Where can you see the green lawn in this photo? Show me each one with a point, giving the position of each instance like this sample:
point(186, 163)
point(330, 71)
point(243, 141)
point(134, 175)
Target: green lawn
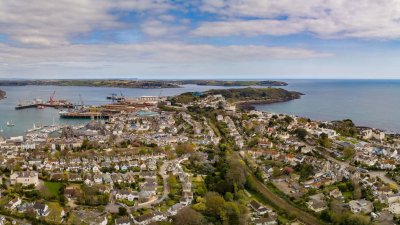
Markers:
point(53, 188)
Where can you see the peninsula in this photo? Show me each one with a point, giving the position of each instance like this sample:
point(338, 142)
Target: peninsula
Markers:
point(242, 97)
point(138, 83)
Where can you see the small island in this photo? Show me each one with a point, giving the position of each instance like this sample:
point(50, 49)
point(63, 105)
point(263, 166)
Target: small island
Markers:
point(124, 83)
point(2, 94)
point(245, 98)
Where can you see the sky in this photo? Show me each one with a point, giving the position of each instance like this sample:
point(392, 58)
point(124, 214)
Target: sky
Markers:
point(200, 39)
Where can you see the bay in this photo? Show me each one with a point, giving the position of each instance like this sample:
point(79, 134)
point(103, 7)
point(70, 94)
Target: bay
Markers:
point(373, 103)
point(25, 118)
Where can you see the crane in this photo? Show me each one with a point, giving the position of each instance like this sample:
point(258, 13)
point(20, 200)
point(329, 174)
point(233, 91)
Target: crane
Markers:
point(82, 103)
point(122, 97)
point(51, 101)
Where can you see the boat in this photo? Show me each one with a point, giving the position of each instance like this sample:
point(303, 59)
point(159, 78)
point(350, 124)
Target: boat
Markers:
point(10, 124)
point(41, 107)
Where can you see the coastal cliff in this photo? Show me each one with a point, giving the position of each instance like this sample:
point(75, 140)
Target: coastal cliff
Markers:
point(2, 94)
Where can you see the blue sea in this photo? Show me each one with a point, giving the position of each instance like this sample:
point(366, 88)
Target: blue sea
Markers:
point(25, 118)
point(374, 103)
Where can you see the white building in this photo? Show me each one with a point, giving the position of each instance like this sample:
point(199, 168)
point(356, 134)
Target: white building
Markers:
point(25, 178)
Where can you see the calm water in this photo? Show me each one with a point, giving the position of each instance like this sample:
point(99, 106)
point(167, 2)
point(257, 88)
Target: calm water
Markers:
point(24, 119)
point(374, 103)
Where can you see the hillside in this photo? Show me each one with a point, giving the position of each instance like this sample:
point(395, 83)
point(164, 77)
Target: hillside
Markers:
point(242, 96)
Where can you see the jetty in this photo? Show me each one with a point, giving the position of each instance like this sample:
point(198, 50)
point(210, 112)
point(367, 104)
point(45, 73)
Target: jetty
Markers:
point(40, 104)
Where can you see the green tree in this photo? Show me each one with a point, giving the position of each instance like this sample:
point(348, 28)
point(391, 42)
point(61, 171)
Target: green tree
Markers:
point(122, 211)
point(188, 216)
point(301, 133)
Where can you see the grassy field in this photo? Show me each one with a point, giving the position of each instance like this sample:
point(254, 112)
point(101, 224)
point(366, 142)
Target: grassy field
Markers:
point(53, 188)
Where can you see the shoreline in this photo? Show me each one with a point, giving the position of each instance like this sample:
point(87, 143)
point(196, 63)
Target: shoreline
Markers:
point(145, 84)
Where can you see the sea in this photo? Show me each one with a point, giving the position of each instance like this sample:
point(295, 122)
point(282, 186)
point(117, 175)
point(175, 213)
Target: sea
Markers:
point(373, 103)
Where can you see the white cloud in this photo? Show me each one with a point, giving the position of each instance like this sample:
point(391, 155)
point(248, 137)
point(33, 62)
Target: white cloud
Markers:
point(50, 23)
point(158, 52)
point(157, 28)
point(368, 19)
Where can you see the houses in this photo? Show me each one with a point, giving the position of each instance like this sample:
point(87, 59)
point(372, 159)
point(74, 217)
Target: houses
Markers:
point(41, 209)
point(173, 210)
point(361, 206)
point(373, 134)
point(91, 217)
point(317, 203)
point(126, 195)
point(149, 218)
point(14, 203)
point(25, 178)
point(258, 208)
point(123, 221)
point(264, 221)
point(336, 193)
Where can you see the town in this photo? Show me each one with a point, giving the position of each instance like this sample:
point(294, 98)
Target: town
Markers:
point(200, 158)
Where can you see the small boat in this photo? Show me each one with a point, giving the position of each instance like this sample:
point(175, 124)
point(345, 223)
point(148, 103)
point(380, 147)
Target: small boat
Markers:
point(41, 107)
point(10, 124)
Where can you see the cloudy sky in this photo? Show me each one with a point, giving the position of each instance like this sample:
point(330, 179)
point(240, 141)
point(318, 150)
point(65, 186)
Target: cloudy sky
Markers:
point(244, 39)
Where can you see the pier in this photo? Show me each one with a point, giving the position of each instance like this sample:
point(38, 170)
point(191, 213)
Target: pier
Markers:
point(38, 105)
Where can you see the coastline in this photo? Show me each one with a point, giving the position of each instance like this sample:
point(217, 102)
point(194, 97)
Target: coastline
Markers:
point(145, 84)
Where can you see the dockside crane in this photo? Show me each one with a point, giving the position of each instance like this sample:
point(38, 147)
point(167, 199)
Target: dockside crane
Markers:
point(51, 101)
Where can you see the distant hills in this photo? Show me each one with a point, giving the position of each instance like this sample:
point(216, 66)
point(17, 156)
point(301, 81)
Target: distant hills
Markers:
point(139, 83)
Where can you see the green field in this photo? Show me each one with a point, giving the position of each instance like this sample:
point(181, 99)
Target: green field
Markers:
point(53, 188)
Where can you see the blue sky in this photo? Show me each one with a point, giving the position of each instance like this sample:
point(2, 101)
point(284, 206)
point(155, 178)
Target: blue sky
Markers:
point(151, 39)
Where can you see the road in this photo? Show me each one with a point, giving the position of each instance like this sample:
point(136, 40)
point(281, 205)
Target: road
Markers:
point(164, 175)
point(282, 203)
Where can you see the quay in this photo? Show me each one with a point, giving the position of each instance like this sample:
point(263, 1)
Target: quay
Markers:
point(83, 115)
point(39, 105)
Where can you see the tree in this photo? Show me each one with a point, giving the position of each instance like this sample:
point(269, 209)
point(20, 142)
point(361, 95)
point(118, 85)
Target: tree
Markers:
point(122, 211)
point(232, 216)
point(301, 133)
point(214, 204)
point(184, 148)
point(348, 152)
point(188, 216)
point(324, 140)
point(236, 173)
